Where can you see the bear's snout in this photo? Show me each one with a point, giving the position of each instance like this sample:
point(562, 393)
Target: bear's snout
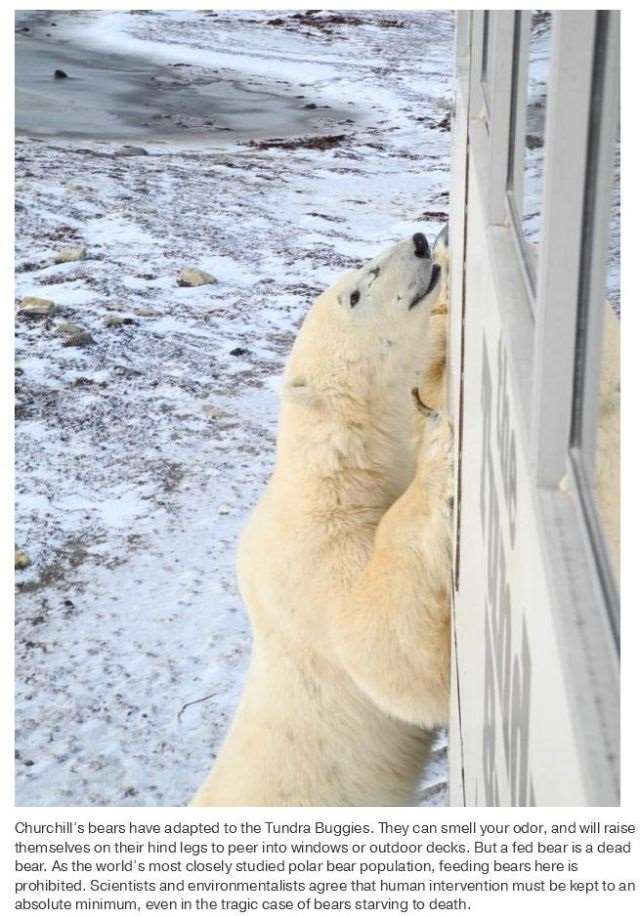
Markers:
point(421, 245)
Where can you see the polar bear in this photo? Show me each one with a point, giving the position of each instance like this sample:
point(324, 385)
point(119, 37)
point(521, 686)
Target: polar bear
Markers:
point(344, 566)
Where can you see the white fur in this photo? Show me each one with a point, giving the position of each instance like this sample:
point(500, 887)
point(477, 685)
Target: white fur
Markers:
point(344, 564)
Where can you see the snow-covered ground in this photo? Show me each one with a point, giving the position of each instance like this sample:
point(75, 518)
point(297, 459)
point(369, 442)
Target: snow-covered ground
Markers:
point(140, 455)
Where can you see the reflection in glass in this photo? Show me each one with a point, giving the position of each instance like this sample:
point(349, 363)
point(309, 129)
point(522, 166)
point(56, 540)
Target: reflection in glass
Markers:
point(607, 465)
point(537, 76)
point(613, 257)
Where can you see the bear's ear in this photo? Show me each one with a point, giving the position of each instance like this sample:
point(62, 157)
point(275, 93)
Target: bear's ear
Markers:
point(297, 390)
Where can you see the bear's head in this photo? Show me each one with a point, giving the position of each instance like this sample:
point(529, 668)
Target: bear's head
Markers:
point(363, 344)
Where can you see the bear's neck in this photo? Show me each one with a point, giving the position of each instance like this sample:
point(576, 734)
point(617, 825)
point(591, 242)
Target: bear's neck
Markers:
point(341, 466)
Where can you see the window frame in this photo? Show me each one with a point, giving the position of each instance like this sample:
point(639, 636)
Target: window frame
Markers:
point(551, 362)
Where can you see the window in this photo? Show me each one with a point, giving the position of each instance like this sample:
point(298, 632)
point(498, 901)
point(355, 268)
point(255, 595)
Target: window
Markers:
point(534, 256)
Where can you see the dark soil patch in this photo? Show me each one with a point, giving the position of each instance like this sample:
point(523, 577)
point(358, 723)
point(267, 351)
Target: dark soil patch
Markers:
point(434, 215)
point(320, 143)
point(327, 24)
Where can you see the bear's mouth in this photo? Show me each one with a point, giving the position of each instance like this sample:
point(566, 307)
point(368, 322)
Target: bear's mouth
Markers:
point(435, 276)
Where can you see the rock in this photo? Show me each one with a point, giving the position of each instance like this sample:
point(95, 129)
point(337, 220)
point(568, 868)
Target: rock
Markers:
point(67, 329)
point(79, 339)
point(116, 321)
point(238, 351)
point(22, 560)
point(60, 75)
point(193, 276)
point(128, 150)
point(310, 106)
point(214, 413)
point(74, 253)
point(145, 312)
point(34, 307)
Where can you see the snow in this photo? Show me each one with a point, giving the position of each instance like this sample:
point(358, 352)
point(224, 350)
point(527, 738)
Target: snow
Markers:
point(140, 456)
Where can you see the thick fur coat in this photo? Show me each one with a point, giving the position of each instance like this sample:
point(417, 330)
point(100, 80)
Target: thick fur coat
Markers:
point(344, 566)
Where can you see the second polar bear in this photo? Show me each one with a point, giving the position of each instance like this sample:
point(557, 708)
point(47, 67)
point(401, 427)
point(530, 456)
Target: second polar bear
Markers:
point(344, 566)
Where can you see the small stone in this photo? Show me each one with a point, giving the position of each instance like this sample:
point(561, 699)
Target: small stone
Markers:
point(214, 413)
point(117, 321)
point(65, 255)
point(81, 339)
point(238, 351)
point(223, 510)
point(22, 560)
point(67, 328)
point(60, 75)
point(34, 307)
point(310, 106)
point(193, 276)
point(128, 150)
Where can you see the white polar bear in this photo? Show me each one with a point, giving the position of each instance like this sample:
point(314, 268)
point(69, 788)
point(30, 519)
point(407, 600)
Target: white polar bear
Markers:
point(345, 564)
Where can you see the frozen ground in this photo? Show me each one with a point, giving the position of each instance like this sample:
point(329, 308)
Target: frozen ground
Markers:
point(140, 455)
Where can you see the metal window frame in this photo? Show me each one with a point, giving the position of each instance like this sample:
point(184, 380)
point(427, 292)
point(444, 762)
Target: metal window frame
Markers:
point(556, 370)
point(517, 145)
point(572, 278)
point(479, 100)
point(553, 326)
point(561, 245)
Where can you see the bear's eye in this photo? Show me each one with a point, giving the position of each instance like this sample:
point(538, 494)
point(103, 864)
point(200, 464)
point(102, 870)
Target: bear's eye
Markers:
point(355, 298)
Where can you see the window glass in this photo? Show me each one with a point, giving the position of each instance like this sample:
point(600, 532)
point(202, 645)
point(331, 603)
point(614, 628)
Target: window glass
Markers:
point(613, 258)
point(538, 59)
point(607, 463)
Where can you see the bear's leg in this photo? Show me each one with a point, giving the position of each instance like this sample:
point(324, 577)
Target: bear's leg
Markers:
point(391, 632)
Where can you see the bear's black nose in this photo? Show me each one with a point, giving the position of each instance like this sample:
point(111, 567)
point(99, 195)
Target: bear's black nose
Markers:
point(421, 245)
